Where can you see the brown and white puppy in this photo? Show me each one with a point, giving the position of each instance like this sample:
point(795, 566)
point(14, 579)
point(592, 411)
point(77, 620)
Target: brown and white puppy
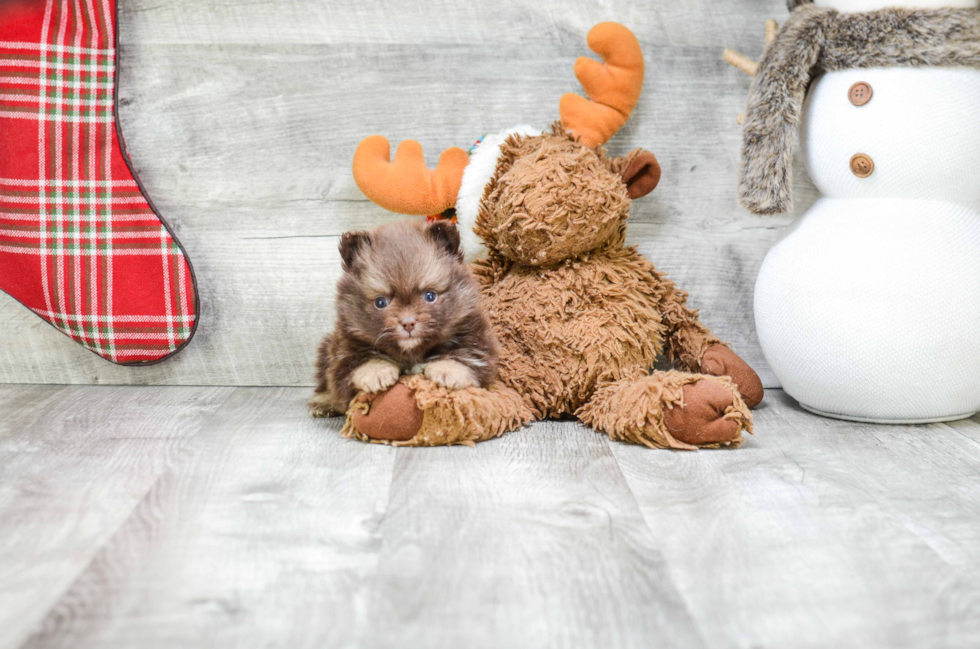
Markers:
point(406, 304)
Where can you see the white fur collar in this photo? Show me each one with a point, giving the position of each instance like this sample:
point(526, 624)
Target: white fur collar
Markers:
point(483, 162)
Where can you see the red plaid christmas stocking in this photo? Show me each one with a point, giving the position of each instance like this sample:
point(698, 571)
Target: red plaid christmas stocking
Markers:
point(81, 245)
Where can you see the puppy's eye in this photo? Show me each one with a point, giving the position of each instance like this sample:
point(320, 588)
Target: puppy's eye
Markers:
point(429, 296)
point(381, 302)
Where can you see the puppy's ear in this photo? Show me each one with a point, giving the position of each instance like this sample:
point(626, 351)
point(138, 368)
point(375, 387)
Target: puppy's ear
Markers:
point(640, 171)
point(352, 245)
point(445, 234)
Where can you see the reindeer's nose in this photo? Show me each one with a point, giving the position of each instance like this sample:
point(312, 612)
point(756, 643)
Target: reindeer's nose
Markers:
point(408, 324)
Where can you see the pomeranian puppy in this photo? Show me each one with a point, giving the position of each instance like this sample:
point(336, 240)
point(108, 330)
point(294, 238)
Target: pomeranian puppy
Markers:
point(406, 304)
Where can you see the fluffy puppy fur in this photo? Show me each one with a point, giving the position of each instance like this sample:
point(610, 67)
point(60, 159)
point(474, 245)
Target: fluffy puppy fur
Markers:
point(405, 304)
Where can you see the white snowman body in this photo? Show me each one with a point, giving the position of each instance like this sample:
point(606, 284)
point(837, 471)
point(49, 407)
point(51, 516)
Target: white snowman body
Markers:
point(870, 308)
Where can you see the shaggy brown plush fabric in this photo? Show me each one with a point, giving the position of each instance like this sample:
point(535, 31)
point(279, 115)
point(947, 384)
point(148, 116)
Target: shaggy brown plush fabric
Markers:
point(581, 319)
point(550, 198)
point(587, 321)
point(817, 39)
point(638, 409)
point(450, 416)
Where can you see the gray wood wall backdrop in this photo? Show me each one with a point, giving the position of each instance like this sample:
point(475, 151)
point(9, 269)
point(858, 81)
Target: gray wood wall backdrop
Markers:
point(242, 118)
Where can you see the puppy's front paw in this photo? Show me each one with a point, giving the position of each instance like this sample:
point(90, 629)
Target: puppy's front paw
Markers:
point(451, 374)
point(375, 376)
point(321, 406)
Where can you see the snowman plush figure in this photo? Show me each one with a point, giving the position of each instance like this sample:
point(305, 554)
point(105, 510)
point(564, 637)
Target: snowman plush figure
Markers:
point(870, 308)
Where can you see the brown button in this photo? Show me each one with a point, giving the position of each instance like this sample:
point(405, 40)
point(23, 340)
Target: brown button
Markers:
point(860, 93)
point(862, 165)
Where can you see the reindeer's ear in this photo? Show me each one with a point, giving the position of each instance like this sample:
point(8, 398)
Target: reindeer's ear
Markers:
point(446, 235)
point(353, 244)
point(640, 171)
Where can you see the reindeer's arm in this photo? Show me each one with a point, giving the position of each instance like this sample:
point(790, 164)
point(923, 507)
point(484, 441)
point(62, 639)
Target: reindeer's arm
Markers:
point(686, 339)
point(692, 347)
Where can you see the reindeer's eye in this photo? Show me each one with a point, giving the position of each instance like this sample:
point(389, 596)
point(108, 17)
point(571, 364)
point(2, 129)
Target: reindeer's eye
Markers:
point(429, 296)
point(381, 302)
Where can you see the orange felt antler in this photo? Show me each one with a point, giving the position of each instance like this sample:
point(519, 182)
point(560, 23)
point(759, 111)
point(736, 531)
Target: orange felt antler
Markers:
point(405, 185)
point(614, 86)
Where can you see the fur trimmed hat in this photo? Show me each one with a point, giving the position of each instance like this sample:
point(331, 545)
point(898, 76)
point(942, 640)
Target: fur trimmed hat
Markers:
point(820, 39)
point(478, 173)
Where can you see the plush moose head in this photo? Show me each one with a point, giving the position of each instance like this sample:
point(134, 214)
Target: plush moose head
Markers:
point(551, 197)
point(535, 198)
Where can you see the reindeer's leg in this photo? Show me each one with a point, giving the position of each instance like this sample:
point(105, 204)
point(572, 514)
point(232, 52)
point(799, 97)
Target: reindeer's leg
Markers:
point(669, 410)
point(418, 412)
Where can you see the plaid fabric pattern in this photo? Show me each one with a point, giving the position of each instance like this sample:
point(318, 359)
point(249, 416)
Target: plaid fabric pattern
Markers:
point(80, 244)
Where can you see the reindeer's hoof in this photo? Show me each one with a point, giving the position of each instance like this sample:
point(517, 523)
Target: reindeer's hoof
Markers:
point(702, 419)
point(393, 416)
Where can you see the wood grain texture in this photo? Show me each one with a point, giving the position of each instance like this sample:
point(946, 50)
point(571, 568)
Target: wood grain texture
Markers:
point(242, 119)
point(182, 517)
point(266, 534)
point(675, 22)
point(533, 540)
point(822, 533)
point(74, 463)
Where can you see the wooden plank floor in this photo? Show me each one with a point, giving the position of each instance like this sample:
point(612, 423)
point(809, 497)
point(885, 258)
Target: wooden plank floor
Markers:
point(224, 517)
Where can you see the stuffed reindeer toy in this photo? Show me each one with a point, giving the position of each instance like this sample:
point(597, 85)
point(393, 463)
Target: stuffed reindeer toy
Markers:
point(581, 318)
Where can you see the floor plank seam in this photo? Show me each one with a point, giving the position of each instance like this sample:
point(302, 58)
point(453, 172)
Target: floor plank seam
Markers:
point(652, 537)
point(374, 587)
point(961, 433)
point(39, 630)
point(124, 521)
